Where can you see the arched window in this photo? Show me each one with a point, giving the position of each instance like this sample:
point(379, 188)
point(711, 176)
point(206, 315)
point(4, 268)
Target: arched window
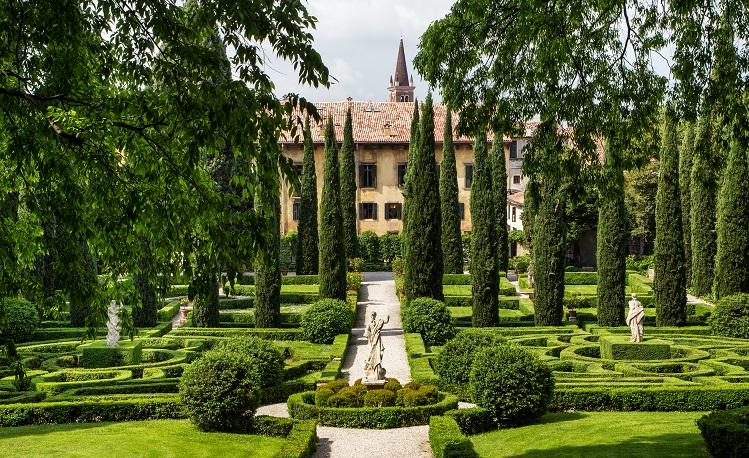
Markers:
point(406, 99)
point(401, 98)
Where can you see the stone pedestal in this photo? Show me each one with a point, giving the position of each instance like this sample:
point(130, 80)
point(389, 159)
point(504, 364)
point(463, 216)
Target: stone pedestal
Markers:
point(374, 384)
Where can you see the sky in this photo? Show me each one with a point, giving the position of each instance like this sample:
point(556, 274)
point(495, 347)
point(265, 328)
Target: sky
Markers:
point(358, 41)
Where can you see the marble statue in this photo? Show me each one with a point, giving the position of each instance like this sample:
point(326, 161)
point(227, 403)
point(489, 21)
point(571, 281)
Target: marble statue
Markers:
point(635, 319)
point(373, 370)
point(113, 325)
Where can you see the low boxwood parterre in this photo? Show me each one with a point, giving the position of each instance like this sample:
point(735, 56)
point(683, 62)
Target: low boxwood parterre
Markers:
point(656, 398)
point(726, 433)
point(447, 440)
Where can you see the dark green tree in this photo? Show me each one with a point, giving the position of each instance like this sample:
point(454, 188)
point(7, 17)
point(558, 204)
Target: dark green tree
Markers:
point(413, 146)
point(452, 248)
point(499, 179)
point(611, 240)
point(145, 313)
point(204, 287)
point(424, 239)
point(307, 258)
point(332, 241)
point(348, 188)
point(268, 265)
point(732, 259)
point(685, 185)
point(484, 273)
point(670, 283)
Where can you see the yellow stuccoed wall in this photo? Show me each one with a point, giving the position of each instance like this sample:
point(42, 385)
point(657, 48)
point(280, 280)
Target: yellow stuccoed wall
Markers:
point(387, 157)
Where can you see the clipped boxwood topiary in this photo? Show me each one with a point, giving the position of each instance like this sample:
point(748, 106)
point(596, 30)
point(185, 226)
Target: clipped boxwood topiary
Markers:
point(325, 319)
point(512, 383)
point(726, 433)
point(455, 359)
point(430, 318)
point(220, 392)
point(264, 359)
point(20, 320)
point(730, 318)
point(379, 398)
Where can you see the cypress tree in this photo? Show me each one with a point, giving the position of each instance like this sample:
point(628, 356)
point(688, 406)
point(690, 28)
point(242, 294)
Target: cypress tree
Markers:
point(348, 188)
point(484, 277)
point(685, 185)
point(499, 179)
point(145, 314)
point(452, 246)
point(412, 146)
point(205, 290)
point(704, 189)
point(332, 245)
point(670, 283)
point(268, 266)
point(307, 249)
point(732, 259)
point(611, 240)
point(424, 226)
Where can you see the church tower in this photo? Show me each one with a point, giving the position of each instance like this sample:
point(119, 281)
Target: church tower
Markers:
point(401, 87)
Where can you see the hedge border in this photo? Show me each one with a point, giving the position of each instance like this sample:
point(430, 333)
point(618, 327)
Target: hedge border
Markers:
point(447, 440)
point(651, 399)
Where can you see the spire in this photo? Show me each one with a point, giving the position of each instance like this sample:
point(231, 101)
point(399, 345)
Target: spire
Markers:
point(401, 72)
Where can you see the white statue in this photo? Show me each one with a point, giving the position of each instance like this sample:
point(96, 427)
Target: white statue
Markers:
point(635, 319)
point(373, 369)
point(113, 325)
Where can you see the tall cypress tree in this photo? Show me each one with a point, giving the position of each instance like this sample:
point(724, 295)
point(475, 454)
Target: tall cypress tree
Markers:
point(145, 315)
point(412, 147)
point(307, 250)
point(704, 189)
point(484, 280)
point(732, 259)
point(204, 288)
point(499, 179)
point(348, 188)
point(612, 238)
point(424, 226)
point(452, 246)
point(332, 245)
point(670, 283)
point(268, 266)
point(685, 185)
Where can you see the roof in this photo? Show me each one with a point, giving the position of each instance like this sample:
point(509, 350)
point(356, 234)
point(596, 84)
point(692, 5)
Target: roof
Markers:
point(517, 199)
point(383, 122)
point(400, 77)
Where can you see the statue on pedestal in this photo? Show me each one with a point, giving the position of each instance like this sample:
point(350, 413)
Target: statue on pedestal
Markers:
point(113, 325)
point(373, 369)
point(635, 319)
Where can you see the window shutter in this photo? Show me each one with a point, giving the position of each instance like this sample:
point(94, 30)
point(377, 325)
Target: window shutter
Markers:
point(361, 211)
point(374, 178)
point(399, 211)
point(374, 210)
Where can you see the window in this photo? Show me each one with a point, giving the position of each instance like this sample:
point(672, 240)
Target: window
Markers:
point(393, 210)
point(402, 167)
point(295, 209)
point(513, 149)
point(469, 176)
point(516, 179)
point(367, 175)
point(405, 98)
point(514, 214)
point(462, 209)
point(367, 210)
point(298, 169)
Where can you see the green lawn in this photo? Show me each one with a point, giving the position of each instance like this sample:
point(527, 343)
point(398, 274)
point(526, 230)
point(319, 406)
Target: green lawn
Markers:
point(599, 434)
point(161, 438)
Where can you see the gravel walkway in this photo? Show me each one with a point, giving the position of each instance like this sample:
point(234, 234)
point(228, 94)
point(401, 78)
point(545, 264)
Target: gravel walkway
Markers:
point(410, 442)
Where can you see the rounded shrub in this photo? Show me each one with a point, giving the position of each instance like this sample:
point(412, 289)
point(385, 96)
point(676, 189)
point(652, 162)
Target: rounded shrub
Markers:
point(265, 361)
point(322, 395)
point(20, 319)
point(220, 392)
point(379, 398)
point(430, 318)
point(347, 397)
point(455, 359)
point(325, 319)
point(511, 382)
point(392, 385)
point(726, 432)
point(730, 318)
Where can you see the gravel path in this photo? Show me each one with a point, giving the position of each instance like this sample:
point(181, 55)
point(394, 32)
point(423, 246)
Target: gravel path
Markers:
point(410, 442)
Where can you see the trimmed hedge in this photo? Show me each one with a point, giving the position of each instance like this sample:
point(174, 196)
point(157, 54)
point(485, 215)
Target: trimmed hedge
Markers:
point(430, 318)
point(660, 398)
point(167, 312)
point(619, 347)
point(20, 319)
point(267, 334)
point(301, 436)
point(581, 278)
point(327, 318)
point(99, 354)
point(474, 420)
point(730, 318)
point(726, 433)
point(447, 440)
point(302, 406)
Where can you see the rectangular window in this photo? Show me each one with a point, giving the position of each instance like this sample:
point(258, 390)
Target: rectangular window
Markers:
point(516, 179)
point(469, 176)
point(513, 149)
point(514, 214)
point(295, 209)
point(462, 209)
point(402, 167)
point(367, 175)
point(393, 210)
point(367, 210)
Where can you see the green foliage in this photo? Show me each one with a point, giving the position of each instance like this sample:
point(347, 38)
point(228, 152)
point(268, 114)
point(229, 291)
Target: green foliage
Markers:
point(484, 270)
point(268, 267)
point(726, 433)
point(348, 188)
point(18, 320)
point(732, 257)
point(430, 318)
point(730, 317)
point(619, 347)
point(379, 398)
point(325, 319)
point(474, 420)
point(686, 158)
point(611, 240)
point(452, 250)
point(99, 354)
point(447, 440)
point(520, 263)
point(512, 383)
point(369, 246)
point(423, 226)
point(353, 281)
point(499, 185)
point(640, 187)
point(670, 283)
point(455, 359)
point(307, 258)
point(332, 238)
point(265, 360)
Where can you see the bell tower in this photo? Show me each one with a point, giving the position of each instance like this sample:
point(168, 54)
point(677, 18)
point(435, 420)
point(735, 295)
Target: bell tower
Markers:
point(401, 88)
